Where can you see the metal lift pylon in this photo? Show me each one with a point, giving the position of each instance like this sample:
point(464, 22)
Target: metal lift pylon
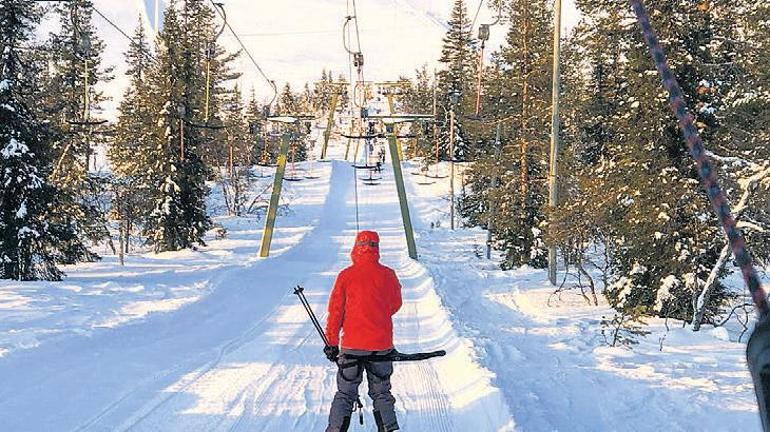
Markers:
point(339, 89)
point(280, 172)
point(398, 174)
point(275, 197)
point(401, 189)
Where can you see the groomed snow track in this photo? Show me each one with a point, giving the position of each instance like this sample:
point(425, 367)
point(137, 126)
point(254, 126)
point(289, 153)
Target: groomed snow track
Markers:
point(246, 358)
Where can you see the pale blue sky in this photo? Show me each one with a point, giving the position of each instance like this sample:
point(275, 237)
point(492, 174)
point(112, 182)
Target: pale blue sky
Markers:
point(294, 39)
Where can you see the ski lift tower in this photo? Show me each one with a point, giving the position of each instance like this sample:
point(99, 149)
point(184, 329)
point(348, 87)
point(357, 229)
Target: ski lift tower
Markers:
point(391, 123)
point(390, 89)
point(339, 88)
point(275, 198)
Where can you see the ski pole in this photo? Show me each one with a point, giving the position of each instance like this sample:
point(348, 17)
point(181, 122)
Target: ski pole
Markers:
point(314, 319)
point(300, 292)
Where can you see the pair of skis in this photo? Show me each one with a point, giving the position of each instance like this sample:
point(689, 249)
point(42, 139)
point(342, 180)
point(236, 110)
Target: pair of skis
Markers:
point(393, 356)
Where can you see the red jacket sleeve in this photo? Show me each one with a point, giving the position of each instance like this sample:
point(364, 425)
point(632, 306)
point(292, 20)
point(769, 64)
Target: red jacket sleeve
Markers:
point(396, 294)
point(336, 311)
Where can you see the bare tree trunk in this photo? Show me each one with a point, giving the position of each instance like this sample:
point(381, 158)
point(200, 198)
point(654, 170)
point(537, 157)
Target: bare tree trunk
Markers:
point(591, 284)
point(708, 287)
point(235, 181)
point(122, 245)
point(701, 303)
point(129, 225)
point(226, 193)
point(524, 144)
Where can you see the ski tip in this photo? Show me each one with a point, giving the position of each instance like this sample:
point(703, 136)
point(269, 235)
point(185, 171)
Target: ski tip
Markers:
point(298, 289)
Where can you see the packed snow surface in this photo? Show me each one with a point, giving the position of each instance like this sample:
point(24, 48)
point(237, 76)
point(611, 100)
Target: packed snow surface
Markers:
point(213, 339)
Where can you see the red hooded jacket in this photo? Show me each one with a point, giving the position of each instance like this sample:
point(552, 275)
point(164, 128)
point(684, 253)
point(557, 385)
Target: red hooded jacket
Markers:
point(365, 297)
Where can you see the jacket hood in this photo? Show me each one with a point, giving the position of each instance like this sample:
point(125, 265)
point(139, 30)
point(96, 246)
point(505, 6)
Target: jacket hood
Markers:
point(367, 247)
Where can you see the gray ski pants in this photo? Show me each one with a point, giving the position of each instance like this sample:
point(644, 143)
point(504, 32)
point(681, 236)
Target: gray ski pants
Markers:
point(348, 379)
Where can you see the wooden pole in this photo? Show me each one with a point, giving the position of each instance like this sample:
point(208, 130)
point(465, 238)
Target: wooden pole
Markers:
point(452, 168)
point(553, 176)
point(492, 209)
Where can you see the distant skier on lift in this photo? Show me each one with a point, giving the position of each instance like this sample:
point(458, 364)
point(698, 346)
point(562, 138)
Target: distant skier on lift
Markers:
point(365, 297)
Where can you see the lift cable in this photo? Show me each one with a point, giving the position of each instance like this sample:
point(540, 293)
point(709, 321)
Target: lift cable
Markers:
point(346, 29)
point(133, 42)
point(358, 31)
point(149, 55)
point(272, 84)
point(476, 17)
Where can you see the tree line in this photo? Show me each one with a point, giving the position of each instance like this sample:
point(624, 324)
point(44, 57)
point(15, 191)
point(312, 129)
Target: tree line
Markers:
point(182, 122)
point(633, 219)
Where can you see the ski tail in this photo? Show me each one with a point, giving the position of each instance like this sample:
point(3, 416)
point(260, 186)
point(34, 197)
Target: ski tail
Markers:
point(397, 356)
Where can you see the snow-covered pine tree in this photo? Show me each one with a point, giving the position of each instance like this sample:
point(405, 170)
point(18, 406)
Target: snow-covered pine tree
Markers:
point(179, 218)
point(239, 145)
point(289, 104)
point(307, 102)
point(741, 146)
point(520, 89)
point(29, 238)
point(344, 103)
point(76, 60)
point(263, 148)
point(592, 84)
point(132, 148)
point(459, 60)
point(418, 99)
point(322, 93)
point(663, 235)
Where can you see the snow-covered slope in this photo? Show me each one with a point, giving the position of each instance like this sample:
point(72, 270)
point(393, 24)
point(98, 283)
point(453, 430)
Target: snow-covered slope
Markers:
point(238, 353)
point(551, 360)
point(213, 340)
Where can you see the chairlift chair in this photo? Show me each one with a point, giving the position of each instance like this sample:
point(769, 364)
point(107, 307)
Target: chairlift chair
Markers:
point(426, 182)
point(371, 180)
point(363, 137)
point(293, 176)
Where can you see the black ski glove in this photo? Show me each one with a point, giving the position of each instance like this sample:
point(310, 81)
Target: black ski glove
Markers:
point(332, 352)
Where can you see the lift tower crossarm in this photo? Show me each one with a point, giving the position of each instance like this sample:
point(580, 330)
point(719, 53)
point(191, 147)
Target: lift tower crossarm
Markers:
point(390, 89)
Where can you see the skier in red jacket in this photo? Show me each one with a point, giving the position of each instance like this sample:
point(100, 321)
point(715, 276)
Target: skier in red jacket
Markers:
point(365, 297)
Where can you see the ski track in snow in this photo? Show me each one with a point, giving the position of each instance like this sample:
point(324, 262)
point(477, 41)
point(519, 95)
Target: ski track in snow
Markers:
point(245, 357)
